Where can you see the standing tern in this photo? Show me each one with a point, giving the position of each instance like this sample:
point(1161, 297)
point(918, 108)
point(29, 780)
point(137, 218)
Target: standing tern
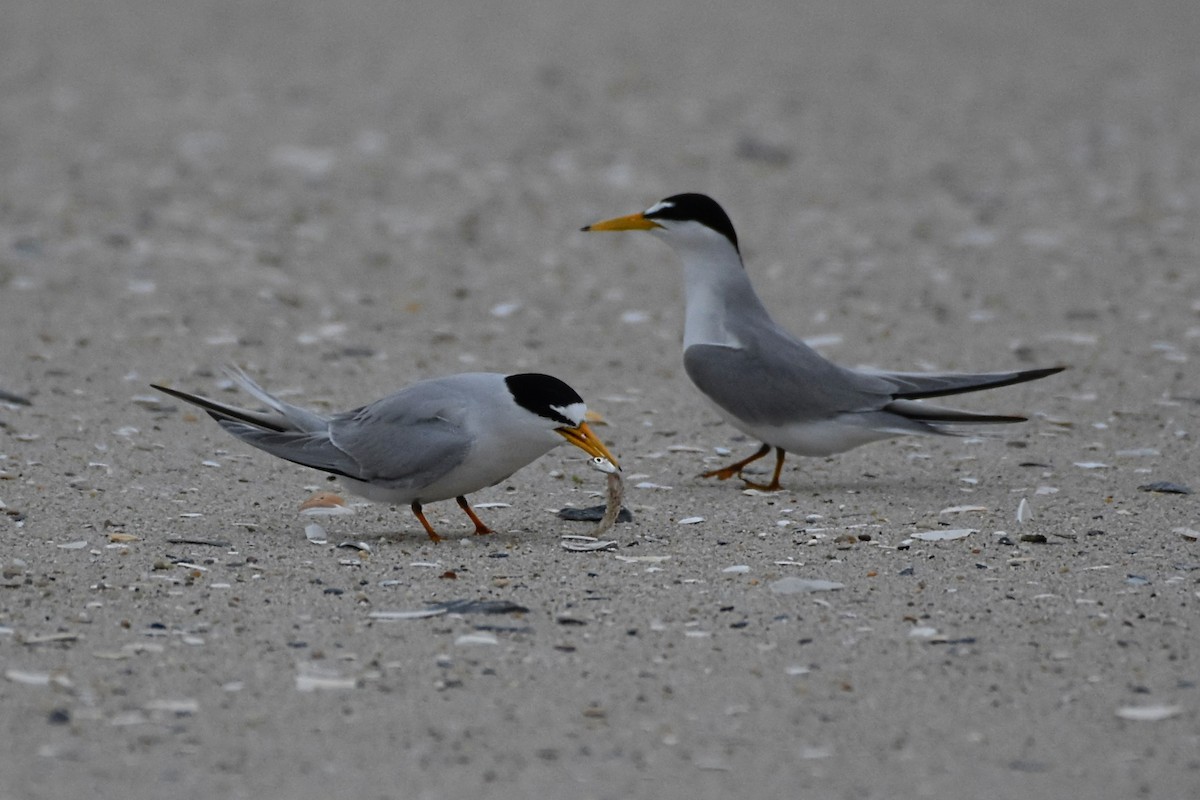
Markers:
point(433, 440)
point(768, 383)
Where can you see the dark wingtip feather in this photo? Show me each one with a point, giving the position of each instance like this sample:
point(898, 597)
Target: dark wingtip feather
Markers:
point(963, 417)
point(219, 411)
point(1010, 378)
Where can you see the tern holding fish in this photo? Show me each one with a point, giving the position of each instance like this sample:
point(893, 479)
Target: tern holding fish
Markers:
point(768, 383)
point(434, 440)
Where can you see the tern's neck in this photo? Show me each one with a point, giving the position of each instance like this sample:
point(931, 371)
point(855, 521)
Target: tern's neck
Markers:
point(719, 297)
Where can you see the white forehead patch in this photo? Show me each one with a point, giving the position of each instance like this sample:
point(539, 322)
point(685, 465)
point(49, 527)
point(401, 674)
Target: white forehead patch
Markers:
point(575, 412)
point(659, 206)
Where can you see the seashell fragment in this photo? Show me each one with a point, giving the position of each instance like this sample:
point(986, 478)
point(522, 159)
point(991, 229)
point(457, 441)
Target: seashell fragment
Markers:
point(322, 499)
point(325, 504)
point(793, 585)
point(312, 679)
point(591, 514)
point(1149, 713)
point(30, 678)
point(962, 509)
point(1165, 487)
point(586, 544)
point(477, 638)
point(944, 535)
point(419, 613)
point(180, 707)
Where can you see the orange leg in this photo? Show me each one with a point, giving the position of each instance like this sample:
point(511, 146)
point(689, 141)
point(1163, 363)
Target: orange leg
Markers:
point(433, 536)
point(773, 486)
point(480, 528)
point(725, 473)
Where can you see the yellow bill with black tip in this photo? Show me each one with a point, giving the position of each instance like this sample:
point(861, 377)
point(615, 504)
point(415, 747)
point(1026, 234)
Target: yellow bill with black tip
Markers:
point(632, 222)
point(582, 437)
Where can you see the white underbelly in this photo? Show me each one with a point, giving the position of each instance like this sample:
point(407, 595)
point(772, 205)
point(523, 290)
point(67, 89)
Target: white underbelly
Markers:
point(485, 466)
point(822, 438)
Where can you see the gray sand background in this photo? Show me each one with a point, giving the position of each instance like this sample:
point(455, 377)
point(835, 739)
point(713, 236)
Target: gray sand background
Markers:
point(347, 197)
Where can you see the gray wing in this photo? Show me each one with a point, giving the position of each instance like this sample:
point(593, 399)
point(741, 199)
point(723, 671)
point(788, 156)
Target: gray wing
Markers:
point(307, 448)
point(410, 438)
point(411, 453)
point(781, 382)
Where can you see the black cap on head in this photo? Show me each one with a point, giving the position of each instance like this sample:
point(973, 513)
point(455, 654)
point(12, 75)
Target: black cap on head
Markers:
point(544, 395)
point(697, 208)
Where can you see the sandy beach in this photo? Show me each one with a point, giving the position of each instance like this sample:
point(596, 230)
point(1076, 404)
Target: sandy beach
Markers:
point(346, 198)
